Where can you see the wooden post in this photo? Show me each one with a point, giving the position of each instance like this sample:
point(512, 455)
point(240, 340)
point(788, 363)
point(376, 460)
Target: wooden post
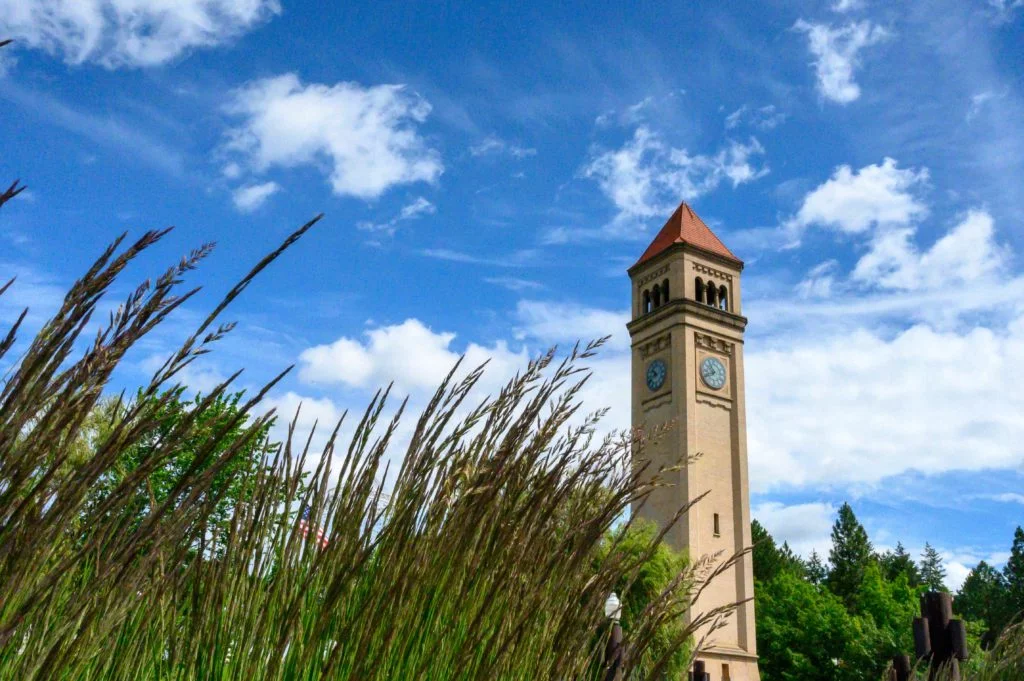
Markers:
point(901, 668)
point(938, 634)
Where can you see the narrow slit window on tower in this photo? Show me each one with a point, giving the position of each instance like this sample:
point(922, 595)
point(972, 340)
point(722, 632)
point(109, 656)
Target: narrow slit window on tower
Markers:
point(699, 292)
point(725, 672)
point(723, 298)
point(664, 291)
point(718, 527)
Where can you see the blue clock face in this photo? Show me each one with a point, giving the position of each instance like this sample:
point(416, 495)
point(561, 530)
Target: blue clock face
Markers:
point(656, 372)
point(712, 372)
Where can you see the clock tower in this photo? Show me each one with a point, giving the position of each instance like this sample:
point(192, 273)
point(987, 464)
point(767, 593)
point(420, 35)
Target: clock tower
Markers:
point(687, 347)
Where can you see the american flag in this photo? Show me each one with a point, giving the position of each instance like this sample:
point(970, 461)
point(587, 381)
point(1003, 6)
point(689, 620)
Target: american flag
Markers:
point(305, 526)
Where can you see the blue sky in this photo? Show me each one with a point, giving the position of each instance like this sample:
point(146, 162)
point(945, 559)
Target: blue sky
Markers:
point(488, 172)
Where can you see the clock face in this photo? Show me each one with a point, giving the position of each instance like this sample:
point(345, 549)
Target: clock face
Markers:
point(656, 372)
point(712, 372)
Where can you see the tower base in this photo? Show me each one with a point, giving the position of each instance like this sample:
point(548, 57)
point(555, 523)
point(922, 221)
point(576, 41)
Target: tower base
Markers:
point(729, 664)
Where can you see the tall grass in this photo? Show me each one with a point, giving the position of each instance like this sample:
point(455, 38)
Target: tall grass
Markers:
point(483, 561)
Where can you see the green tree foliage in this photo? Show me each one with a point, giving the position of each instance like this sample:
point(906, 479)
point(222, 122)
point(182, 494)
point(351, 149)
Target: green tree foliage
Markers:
point(933, 574)
point(849, 556)
point(812, 626)
point(982, 599)
point(817, 573)
point(993, 599)
point(805, 633)
point(656, 574)
point(897, 562)
point(801, 629)
point(1013, 577)
point(216, 429)
point(891, 605)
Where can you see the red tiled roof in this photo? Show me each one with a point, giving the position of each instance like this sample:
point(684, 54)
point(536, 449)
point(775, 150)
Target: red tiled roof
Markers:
point(686, 227)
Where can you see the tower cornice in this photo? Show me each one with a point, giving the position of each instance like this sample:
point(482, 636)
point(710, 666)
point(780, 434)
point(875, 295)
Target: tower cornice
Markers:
point(681, 247)
point(686, 307)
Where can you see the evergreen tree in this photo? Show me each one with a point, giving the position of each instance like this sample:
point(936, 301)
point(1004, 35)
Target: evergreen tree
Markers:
point(769, 558)
point(897, 562)
point(982, 598)
point(1013, 578)
point(933, 575)
point(850, 556)
point(816, 572)
point(791, 561)
point(763, 552)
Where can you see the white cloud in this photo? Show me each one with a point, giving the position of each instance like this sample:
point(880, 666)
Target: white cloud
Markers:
point(563, 324)
point(417, 359)
point(411, 211)
point(520, 258)
point(854, 406)
point(835, 52)
point(819, 281)
point(647, 178)
point(129, 33)
point(980, 101)
point(514, 284)
point(967, 253)
point(855, 201)
point(847, 5)
point(632, 114)
point(956, 574)
point(1005, 497)
point(496, 145)
point(763, 118)
point(959, 563)
point(1005, 9)
point(251, 197)
point(806, 527)
point(322, 413)
point(734, 119)
point(734, 161)
point(33, 289)
point(367, 135)
point(410, 354)
point(127, 137)
point(552, 323)
point(417, 208)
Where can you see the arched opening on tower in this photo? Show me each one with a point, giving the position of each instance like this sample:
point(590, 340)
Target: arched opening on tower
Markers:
point(647, 302)
point(664, 291)
point(723, 298)
point(699, 290)
point(712, 297)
